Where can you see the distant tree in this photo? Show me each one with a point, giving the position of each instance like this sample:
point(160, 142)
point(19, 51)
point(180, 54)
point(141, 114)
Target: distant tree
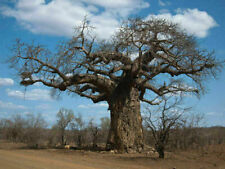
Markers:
point(78, 128)
point(94, 132)
point(35, 130)
point(64, 118)
point(53, 136)
point(16, 128)
point(5, 124)
point(1, 128)
point(105, 123)
point(105, 126)
point(190, 136)
point(143, 61)
point(162, 120)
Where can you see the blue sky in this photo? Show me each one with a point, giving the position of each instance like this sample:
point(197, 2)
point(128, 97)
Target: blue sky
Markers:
point(50, 21)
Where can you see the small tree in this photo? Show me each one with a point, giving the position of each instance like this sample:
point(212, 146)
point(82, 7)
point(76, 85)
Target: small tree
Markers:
point(161, 121)
point(16, 128)
point(94, 132)
point(78, 127)
point(64, 118)
point(35, 130)
point(52, 136)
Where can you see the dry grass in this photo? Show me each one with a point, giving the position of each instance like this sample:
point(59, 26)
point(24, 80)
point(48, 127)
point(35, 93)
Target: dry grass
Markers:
point(15, 156)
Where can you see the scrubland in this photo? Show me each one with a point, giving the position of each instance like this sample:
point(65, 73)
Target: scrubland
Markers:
point(18, 156)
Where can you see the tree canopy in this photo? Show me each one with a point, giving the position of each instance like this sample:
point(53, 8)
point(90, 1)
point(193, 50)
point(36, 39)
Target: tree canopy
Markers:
point(143, 61)
point(141, 50)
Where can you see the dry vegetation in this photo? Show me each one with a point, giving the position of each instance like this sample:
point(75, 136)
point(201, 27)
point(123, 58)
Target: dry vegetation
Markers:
point(24, 145)
point(15, 156)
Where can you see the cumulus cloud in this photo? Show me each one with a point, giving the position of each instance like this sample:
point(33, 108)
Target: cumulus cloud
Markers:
point(115, 4)
point(194, 21)
point(90, 106)
point(6, 82)
point(9, 105)
point(34, 94)
point(59, 17)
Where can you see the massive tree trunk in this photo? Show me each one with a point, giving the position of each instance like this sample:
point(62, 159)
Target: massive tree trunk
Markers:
point(126, 132)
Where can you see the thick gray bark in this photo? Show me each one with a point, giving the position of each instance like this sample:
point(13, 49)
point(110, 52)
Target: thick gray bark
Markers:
point(126, 132)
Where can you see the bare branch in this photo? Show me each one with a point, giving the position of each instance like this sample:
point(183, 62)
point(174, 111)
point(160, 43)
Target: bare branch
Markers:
point(160, 47)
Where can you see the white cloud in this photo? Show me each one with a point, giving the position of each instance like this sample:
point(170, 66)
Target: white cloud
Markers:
point(193, 21)
point(215, 114)
point(59, 17)
point(56, 17)
point(161, 3)
point(6, 82)
point(118, 3)
point(38, 84)
point(164, 11)
point(34, 94)
point(9, 105)
point(90, 106)
point(211, 113)
point(133, 56)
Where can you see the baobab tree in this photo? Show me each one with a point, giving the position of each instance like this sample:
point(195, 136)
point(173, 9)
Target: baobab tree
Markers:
point(143, 61)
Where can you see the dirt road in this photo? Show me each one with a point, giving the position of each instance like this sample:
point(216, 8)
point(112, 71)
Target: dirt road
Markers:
point(18, 158)
point(55, 159)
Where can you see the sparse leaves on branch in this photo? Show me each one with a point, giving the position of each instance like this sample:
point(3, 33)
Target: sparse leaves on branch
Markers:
point(156, 55)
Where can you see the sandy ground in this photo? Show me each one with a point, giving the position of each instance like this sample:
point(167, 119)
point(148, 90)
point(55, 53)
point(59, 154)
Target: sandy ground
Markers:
point(15, 157)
